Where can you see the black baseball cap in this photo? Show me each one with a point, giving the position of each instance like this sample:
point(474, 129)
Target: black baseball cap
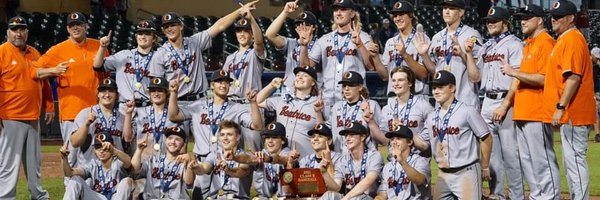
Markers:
point(354, 128)
point(17, 21)
point(443, 78)
point(497, 14)
point(159, 83)
point(170, 18)
point(307, 69)
point(321, 129)
point(306, 17)
point(219, 75)
point(101, 138)
point(563, 8)
point(402, 7)
point(242, 23)
point(455, 3)
point(531, 10)
point(76, 18)
point(175, 131)
point(145, 25)
point(400, 131)
point(343, 4)
point(107, 83)
point(274, 129)
point(351, 78)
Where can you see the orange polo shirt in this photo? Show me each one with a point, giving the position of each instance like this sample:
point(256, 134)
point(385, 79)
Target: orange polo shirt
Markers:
point(20, 90)
point(528, 98)
point(570, 55)
point(77, 88)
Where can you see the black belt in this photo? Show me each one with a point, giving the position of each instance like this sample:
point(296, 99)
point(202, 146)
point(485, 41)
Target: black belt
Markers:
point(457, 169)
point(190, 97)
point(142, 103)
point(201, 158)
point(496, 95)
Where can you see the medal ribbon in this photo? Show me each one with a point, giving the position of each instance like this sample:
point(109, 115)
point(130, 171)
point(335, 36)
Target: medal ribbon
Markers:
point(400, 180)
point(406, 112)
point(340, 53)
point(397, 57)
point(183, 64)
point(138, 67)
point(113, 119)
point(354, 112)
point(165, 184)
point(158, 130)
point(106, 188)
point(442, 131)
point(237, 69)
point(213, 121)
point(448, 54)
point(363, 167)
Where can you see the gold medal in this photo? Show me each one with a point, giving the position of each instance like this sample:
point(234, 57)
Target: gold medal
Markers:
point(138, 85)
point(339, 66)
point(186, 79)
point(213, 139)
point(236, 83)
point(221, 192)
point(447, 68)
point(156, 147)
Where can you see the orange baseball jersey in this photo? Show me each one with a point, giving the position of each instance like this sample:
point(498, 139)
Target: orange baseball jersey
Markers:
point(527, 104)
point(77, 88)
point(570, 55)
point(20, 90)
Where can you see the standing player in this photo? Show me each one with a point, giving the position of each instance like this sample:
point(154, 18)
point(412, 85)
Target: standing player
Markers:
point(305, 25)
point(456, 130)
point(535, 138)
point(503, 48)
point(130, 66)
point(400, 50)
point(448, 50)
point(340, 51)
point(569, 95)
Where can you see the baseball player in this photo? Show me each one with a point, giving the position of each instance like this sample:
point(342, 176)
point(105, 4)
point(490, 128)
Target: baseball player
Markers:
point(503, 48)
point(534, 138)
point(458, 133)
point(400, 50)
point(595, 54)
point(447, 50)
point(131, 65)
point(407, 176)
point(107, 171)
point(305, 26)
point(298, 112)
point(102, 117)
point(359, 172)
point(206, 114)
point(340, 51)
point(321, 139)
point(245, 65)
point(352, 109)
point(21, 89)
point(167, 176)
point(569, 95)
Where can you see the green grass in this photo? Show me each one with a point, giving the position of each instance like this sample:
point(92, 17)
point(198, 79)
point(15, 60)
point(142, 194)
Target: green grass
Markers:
point(56, 189)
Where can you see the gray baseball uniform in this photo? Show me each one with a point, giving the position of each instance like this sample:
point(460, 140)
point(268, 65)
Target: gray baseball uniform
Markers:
point(292, 51)
point(325, 52)
point(160, 172)
point(114, 126)
point(103, 183)
point(233, 188)
point(343, 113)
point(465, 89)
point(311, 161)
point(298, 117)
point(267, 176)
point(396, 184)
point(419, 110)
point(142, 125)
point(130, 67)
point(167, 63)
point(505, 154)
point(245, 68)
point(351, 172)
point(392, 59)
point(456, 150)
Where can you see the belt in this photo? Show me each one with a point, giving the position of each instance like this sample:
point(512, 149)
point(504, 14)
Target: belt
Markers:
point(239, 100)
point(191, 97)
point(496, 95)
point(142, 103)
point(457, 169)
point(201, 158)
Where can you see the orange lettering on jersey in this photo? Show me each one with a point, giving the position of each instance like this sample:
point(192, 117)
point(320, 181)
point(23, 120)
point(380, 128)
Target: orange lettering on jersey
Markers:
point(441, 53)
point(98, 188)
point(166, 174)
point(175, 65)
point(204, 119)
point(98, 130)
point(130, 70)
point(492, 57)
point(348, 121)
point(294, 114)
point(331, 52)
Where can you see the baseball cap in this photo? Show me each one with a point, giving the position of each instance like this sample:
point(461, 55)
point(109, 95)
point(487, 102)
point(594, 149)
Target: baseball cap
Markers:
point(145, 25)
point(354, 128)
point(175, 131)
point(595, 52)
point(400, 131)
point(531, 10)
point(306, 17)
point(307, 69)
point(101, 138)
point(17, 21)
point(274, 129)
point(563, 8)
point(320, 129)
point(351, 78)
point(220, 75)
point(443, 78)
point(402, 7)
point(159, 83)
point(107, 83)
point(497, 14)
point(242, 23)
point(385, 21)
point(170, 18)
point(76, 18)
point(454, 3)
point(343, 4)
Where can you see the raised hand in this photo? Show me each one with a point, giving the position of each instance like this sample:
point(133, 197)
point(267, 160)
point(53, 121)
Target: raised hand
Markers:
point(129, 106)
point(469, 44)
point(456, 46)
point(105, 41)
point(251, 96)
point(247, 8)
point(319, 104)
point(355, 28)
point(400, 47)
point(91, 117)
point(373, 49)
point(366, 108)
point(228, 154)
point(293, 155)
point(290, 7)
point(174, 85)
point(421, 44)
point(276, 82)
point(108, 147)
point(142, 144)
point(305, 34)
point(64, 150)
